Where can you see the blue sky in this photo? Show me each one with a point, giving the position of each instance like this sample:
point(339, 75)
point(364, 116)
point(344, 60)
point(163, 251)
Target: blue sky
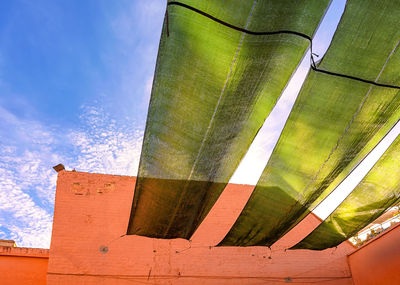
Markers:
point(75, 82)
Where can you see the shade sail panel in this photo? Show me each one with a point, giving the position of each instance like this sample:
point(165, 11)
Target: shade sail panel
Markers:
point(334, 123)
point(213, 88)
point(377, 192)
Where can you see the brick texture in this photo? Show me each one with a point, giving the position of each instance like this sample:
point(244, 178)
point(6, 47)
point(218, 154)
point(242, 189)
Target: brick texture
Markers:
point(89, 246)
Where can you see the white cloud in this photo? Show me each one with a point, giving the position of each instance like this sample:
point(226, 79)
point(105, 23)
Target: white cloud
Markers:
point(30, 147)
point(104, 146)
point(27, 182)
point(29, 224)
point(28, 151)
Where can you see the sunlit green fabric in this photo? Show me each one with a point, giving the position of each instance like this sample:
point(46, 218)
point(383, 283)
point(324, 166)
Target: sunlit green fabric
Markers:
point(334, 123)
point(377, 192)
point(213, 88)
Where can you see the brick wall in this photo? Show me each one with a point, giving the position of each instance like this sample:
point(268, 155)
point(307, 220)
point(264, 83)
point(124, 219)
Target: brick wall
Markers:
point(92, 213)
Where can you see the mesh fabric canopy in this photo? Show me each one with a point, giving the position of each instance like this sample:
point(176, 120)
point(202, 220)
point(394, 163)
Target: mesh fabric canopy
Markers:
point(213, 88)
point(379, 190)
point(334, 123)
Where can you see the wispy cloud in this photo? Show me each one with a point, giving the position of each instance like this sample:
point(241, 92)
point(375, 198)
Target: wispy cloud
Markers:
point(27, 182)
point(30, 149)
point(104, 146)
point(108, 138)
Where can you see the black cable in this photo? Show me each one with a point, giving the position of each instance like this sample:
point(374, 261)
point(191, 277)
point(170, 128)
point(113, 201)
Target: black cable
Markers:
point(307, 37)
point(238, 28)
point(354, 78)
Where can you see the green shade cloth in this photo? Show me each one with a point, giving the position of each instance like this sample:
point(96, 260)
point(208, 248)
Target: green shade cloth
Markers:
point(213, 88)
point(377, 192)
point(334, 123)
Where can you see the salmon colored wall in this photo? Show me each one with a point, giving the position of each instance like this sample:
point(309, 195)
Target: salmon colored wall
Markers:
point(89, 246)
point(23, 265)
point(378, 262)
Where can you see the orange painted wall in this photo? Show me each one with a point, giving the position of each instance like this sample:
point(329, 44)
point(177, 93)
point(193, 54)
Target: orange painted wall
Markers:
point(378, 262)
point(23, 265)
point(89, 246)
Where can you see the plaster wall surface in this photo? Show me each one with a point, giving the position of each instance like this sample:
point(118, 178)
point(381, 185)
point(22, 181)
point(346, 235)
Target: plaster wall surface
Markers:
point(20, 265)
point(378, 262)
point(89, 245)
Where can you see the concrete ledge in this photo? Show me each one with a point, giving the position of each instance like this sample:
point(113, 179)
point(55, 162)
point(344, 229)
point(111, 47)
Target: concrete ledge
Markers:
point(24, 252)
